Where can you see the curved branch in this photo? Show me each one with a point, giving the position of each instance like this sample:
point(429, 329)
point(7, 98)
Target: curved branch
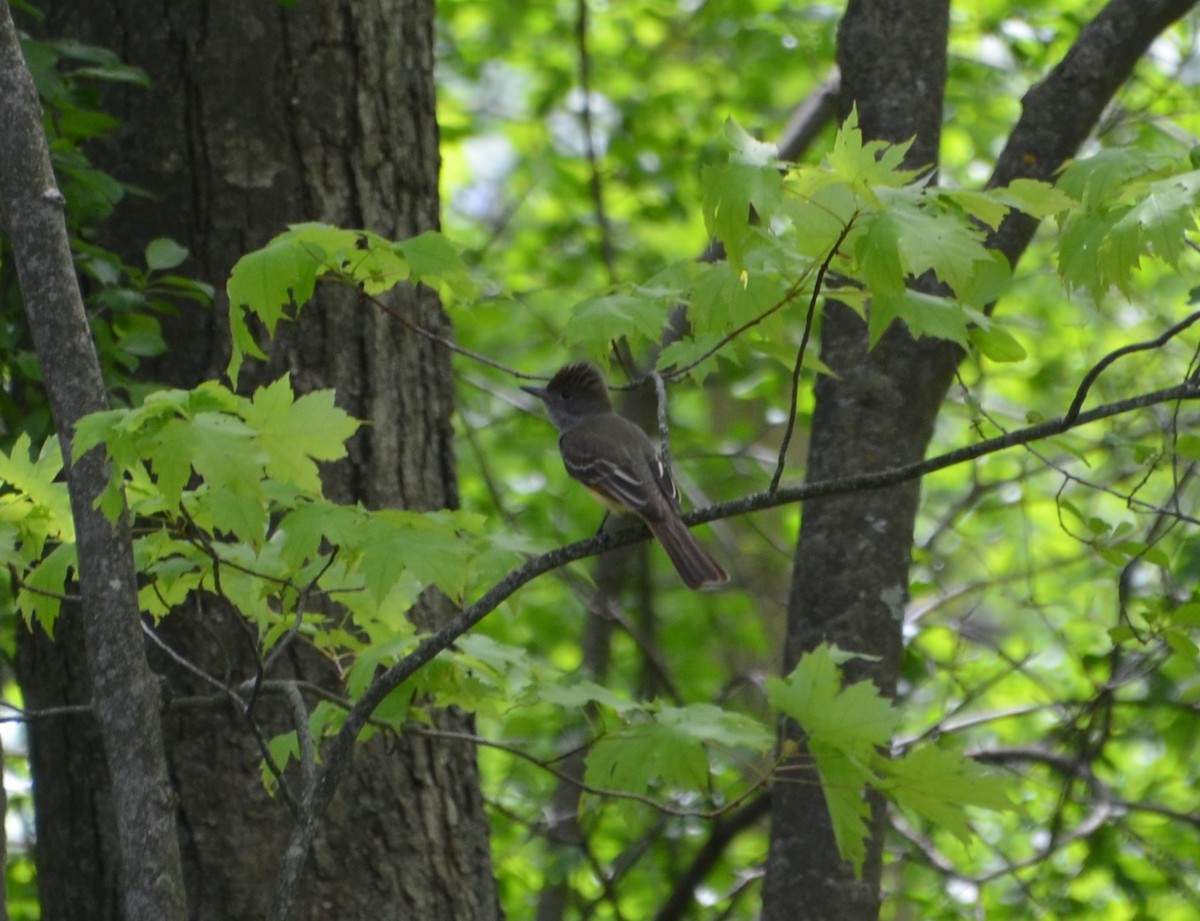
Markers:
point(1098, 368)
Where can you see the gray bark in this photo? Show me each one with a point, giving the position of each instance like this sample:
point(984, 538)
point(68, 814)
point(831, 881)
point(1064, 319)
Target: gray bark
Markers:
point(876, 410)
point(124, 692)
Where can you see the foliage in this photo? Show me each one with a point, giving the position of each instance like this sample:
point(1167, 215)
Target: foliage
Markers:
point(1052, 627)
point(125, 302)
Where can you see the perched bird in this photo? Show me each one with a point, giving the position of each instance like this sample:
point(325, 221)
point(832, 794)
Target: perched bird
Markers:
point(617, 462)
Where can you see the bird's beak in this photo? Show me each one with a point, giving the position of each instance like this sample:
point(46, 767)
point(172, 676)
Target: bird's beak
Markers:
point(539, 392)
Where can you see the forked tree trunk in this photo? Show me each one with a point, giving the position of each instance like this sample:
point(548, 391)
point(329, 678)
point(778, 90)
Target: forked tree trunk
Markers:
point(850, 581)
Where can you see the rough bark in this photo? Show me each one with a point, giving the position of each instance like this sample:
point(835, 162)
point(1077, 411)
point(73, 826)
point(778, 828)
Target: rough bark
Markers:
point(879, 408)
point(876, 410)
point(124, 693)
point(258, 117)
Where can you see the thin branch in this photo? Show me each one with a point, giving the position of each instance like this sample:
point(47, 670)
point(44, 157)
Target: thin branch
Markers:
point(446, 341)
point(814, 113)
point(304, 739)
point(567, 778)
point(298, 621)
point(26, 716)
point(808, 324)
point(231, 695)
point(188, 666)
point(1098, 368)
point(790, 295)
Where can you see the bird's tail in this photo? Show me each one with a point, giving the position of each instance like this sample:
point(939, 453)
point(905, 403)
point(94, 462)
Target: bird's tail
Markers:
point(695, 567)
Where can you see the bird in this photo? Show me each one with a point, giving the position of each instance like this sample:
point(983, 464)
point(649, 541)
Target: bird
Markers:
point(618, 464)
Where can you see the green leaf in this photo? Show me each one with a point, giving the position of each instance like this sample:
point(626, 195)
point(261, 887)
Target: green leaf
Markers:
point(866, 166)
point(854, 719)
point(877, 251)
point(1035, 198)
point(713, 725)
point(36, 479)
point(997, 343)
point(581, 693)
point(939, 784)
point(984, 206)
point(730, 192)
point(1181, 644)
point(281, 274)
point(267, 281)
point(163, 253)
point(748, 150)
point(1187, 445)
point(1095, 178)
point(305, 527)
point(929, 239)
point(633, 757)
point(432, 546)
point(283, 748)
point(432, 257)
point(597, 321)
point(38, 598)
point(923, 314)
point(1161, 219)
point(222, 450)
point(843, 781)
point(722, 298)
point(294, 433)
point(844, 727)
point(683, 352)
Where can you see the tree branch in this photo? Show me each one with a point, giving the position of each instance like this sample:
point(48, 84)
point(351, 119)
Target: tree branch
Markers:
point(1098, 368)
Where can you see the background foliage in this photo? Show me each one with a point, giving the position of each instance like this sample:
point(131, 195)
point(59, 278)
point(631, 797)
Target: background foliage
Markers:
point(589, 156)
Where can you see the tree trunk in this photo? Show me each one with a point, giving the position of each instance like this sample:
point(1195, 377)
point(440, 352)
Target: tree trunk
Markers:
point(257, 117)
point(876, 410)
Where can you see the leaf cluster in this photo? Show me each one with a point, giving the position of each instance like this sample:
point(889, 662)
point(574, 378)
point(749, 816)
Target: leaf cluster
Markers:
point(125, 302)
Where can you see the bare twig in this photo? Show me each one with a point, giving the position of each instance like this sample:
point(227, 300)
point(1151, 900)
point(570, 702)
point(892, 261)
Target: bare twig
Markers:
point(26, 716)
point(808, 323)
point(241, 706)
point(304, 739)
point(1097, 369)
point(446, 341)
